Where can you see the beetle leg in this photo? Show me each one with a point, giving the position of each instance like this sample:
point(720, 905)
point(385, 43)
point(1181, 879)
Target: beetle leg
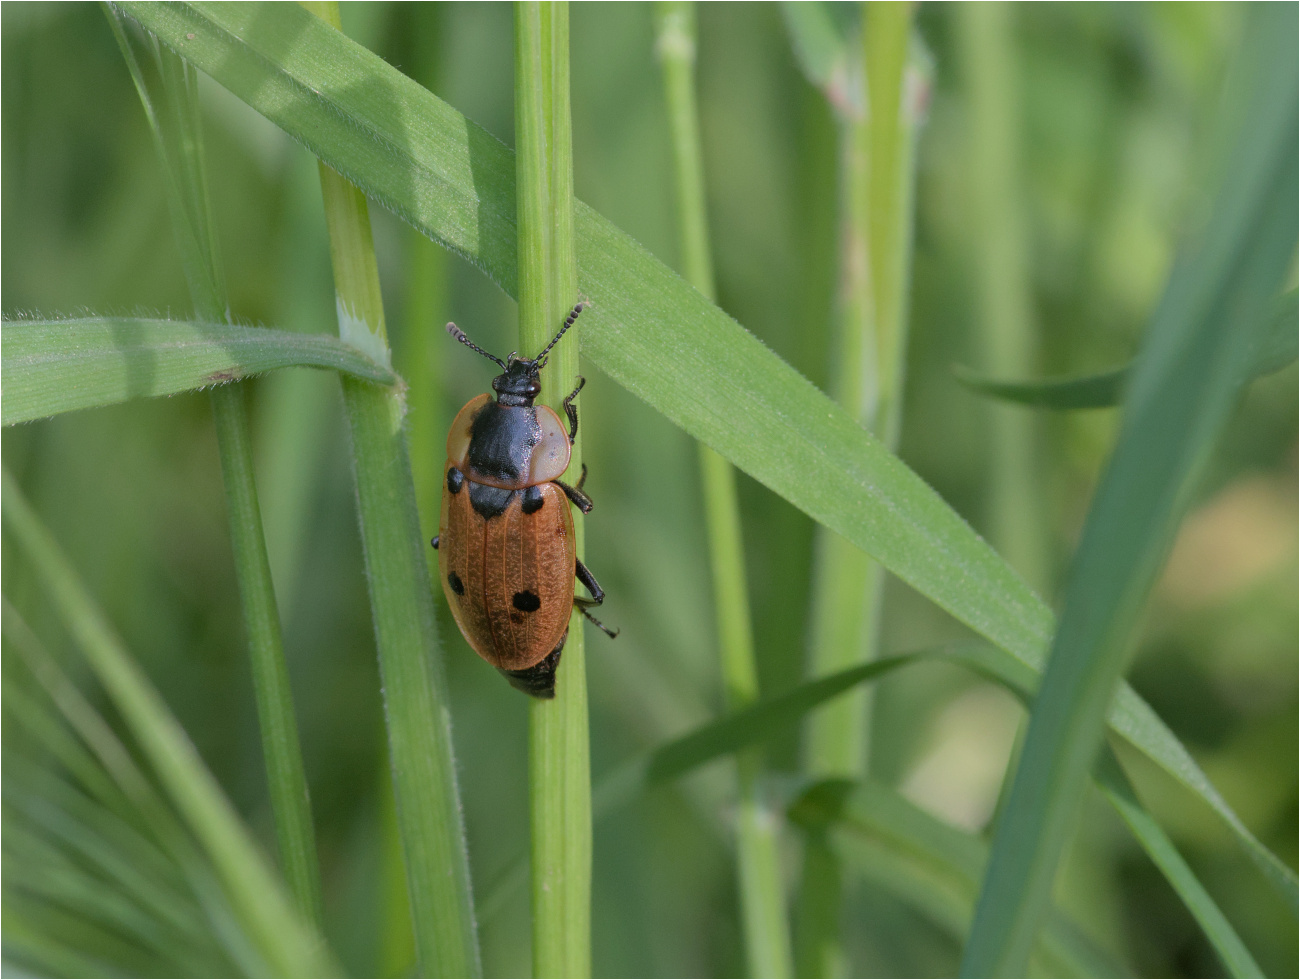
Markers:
point(571, 410)
point(579, 498)
point(582, 479)
point(583, 575)
point(578, 604)
point(434, 542)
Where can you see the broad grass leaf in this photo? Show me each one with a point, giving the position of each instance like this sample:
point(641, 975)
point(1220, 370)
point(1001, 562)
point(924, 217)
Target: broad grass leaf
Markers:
point(55, 366)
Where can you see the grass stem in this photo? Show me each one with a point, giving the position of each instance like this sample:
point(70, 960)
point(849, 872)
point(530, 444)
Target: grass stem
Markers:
point(877, 175)
point(1000, 252)
point(419, 725)
point(559, 762)
point(762, 893)
point(171, 102)
point(877, 167)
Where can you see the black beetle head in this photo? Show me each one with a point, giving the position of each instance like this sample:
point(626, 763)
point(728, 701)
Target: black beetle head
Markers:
point(520, 384)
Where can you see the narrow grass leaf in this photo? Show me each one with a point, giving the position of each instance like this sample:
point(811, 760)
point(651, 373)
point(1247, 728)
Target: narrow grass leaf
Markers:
point(168, 89)
point(1197, 355)
point(109, 771)
point(1115, 784)
point(130, 862)
point(1102, 390)
point(55, 366)
point(1274, 350)
point(929, 864)
point(649, 330)
point(287, 943)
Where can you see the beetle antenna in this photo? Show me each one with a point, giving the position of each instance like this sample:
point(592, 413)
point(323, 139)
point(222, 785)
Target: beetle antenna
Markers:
point(459, 334)
point(568, 322)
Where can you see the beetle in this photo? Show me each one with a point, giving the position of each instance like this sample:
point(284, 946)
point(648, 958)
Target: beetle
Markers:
point(507, 556)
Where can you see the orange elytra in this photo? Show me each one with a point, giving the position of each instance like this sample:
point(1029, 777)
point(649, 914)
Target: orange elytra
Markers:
point(506, 549)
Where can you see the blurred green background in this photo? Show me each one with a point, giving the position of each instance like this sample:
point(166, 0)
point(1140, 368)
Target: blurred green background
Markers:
point(1112, 103)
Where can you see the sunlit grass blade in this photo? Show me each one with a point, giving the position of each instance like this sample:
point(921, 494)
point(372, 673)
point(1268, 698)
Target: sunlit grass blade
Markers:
point(1196, 357)
point(55, 366)
point(929, 864)
point(288, 944)
point(649, 330)
point(1275, 350)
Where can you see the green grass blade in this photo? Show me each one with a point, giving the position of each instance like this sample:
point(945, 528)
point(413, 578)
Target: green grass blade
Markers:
point(735, 732)
point(1115, 784)
point(929, 864)
point(762, 893)
point(1186, 382)
point(1102, 390)
point(419, 726)
point(650, 330)
point(1274, 350)
point(559, 756)
point(761, 721)
point(55, 366)
point(846, 582)
point(282, 753)
point(288, 944)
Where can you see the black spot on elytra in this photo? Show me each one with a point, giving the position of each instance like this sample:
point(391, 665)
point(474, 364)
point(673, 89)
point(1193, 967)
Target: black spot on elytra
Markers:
point(456, 584)
point(533, 500)
point(455, 480)
point(526, 601)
